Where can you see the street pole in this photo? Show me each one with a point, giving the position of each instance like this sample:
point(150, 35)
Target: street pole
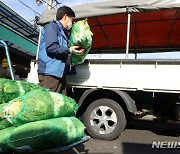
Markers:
point(49, 3)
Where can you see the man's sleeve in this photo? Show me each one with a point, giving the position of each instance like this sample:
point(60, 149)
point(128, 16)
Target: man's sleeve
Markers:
point(51, 40)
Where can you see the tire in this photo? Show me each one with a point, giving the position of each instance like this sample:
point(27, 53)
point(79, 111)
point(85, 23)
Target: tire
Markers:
point(104, 119)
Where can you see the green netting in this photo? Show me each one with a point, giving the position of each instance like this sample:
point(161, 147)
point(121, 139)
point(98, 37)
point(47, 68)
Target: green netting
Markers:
point(10, 89)
point(37, 105)
point(5, 132)
point(81, 35)
point(44, 134)
point(4, 123)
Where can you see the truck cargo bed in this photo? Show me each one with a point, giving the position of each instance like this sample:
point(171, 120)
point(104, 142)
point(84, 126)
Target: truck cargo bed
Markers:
point(145, 75)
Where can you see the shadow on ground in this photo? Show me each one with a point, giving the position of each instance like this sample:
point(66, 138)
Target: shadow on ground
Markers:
point(157, 127)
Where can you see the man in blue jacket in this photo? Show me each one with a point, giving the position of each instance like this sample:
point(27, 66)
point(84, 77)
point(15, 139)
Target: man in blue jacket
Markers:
point(54, 50)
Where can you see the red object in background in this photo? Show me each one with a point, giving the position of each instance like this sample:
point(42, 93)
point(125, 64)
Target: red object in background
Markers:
point(149, 30)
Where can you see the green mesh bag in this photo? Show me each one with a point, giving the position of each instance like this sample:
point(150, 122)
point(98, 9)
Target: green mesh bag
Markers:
point(37, 105)
point(10, 89)
point(5, 132)
point(4, 123)
point(44, 134)
point(81, 35)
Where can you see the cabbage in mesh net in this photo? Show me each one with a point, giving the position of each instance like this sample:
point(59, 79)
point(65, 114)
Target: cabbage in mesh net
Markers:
point(10, 89)
point(4, 123)
point(36, 105)
point(5, 132)
point(81, 35)
point(41, 135)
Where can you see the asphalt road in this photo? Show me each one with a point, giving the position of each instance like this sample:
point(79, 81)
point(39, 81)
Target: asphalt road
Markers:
point(137, 138)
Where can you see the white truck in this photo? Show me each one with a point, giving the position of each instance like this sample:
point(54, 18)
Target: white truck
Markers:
point(110, 92)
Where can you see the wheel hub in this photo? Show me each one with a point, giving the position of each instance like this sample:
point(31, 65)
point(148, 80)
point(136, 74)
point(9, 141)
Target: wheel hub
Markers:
point(103, 119)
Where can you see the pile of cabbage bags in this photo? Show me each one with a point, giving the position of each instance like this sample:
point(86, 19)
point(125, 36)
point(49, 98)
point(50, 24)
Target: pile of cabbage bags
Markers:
point(36, 119)
point(10, 89)
point(81, 35)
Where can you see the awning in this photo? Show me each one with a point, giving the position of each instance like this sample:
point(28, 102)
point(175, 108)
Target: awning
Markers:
point(22, 37)
point(154, 25)
point(110, 7)
point(149, 32)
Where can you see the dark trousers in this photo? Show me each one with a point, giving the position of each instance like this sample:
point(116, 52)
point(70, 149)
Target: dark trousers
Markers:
point(53, 83)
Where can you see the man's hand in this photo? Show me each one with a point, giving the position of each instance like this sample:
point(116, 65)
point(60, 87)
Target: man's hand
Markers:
point(76, 50)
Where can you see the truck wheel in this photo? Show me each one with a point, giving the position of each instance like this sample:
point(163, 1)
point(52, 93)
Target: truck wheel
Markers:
point(104, 119)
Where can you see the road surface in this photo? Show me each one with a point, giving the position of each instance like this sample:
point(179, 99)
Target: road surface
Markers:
point(137, 138)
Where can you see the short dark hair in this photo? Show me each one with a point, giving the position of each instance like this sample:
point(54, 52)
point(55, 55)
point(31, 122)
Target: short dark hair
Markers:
point(64, 10)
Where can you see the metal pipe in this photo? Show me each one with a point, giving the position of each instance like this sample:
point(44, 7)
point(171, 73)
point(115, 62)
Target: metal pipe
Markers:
point(128, 34)
point(136, 35)
point(38, 48)
point(8, 58)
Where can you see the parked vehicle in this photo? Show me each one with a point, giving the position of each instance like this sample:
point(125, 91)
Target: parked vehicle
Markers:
point(110, 92)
